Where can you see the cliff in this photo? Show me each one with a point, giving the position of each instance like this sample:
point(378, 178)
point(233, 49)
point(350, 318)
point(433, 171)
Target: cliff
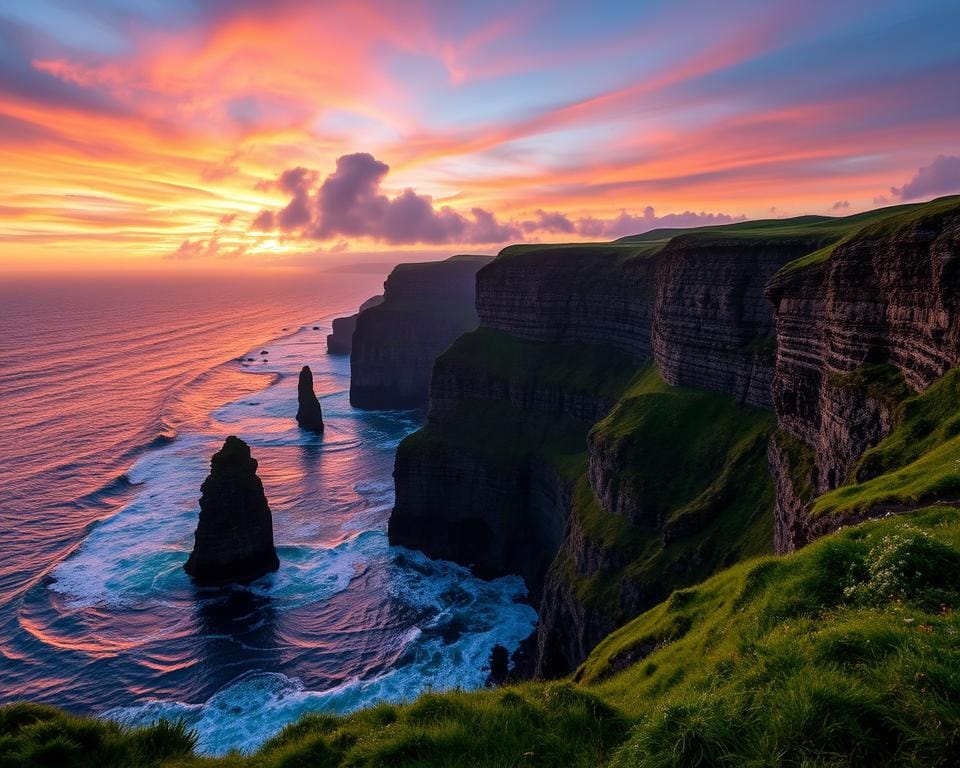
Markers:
point(691, 299)
point(511, 475)
point(594, 294)
point(425, 308)
point(340, 342)
point(861, 326)
point(607, 431)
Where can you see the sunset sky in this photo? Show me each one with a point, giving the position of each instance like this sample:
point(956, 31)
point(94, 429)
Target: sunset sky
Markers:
point(173, 134)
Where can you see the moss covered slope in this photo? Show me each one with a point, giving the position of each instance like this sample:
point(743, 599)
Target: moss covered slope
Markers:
point(918, 462)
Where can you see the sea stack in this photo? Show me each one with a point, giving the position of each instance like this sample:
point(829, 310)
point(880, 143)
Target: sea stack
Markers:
point(308, 410)
point(234, 538)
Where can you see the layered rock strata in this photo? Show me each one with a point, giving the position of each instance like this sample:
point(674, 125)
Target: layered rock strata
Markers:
point(858, 329)
point(653, 486)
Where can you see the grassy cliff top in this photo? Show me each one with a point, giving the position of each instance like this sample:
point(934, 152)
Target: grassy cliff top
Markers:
point(820, 233)
point(453, 263)
point(881, 223)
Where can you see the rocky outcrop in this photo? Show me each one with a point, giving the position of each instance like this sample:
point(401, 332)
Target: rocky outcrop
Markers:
point(340, 342)
point(309, 415)
point(857, 330)
point(425, 308)
point(233, 542)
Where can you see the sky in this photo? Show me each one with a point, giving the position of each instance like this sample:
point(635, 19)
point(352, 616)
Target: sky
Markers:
point(232, 134)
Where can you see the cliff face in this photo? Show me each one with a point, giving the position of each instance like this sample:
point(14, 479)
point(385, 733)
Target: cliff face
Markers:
point(859, 328)
point(498, 515)
point(487, 480)
point(340, 342)
point(598, 434)
point(425, 307)
point(712, 326)
point(492, 478)
point(696, 305)
point(566, 294)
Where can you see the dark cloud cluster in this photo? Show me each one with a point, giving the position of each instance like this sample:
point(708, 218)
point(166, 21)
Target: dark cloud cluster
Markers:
point(941, 177)
point(350, 203)
point(550, 223)
point(840, 205)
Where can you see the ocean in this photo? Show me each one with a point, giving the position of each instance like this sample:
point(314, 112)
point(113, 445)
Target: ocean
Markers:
point(114, 394)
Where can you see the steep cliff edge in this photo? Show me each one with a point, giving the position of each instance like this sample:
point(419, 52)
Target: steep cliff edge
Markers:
point(691, 299)
point(594, 294)
point(487, 481)
point(425, 308)
point(861, 326)
point(504, 477)
point(712, 326)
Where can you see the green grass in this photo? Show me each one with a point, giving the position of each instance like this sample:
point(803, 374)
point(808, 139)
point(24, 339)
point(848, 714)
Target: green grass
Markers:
point(917, 463)
point(698, 461)
point(599, 371)
point(820, 235)
point(557, 725)
point(37, 735)
point(882, 382)
point(876, 224)
point(674, 442)
point(801, 462)
point(819, 658)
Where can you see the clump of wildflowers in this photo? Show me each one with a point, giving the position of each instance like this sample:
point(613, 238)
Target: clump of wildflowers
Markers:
point(909, 565)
